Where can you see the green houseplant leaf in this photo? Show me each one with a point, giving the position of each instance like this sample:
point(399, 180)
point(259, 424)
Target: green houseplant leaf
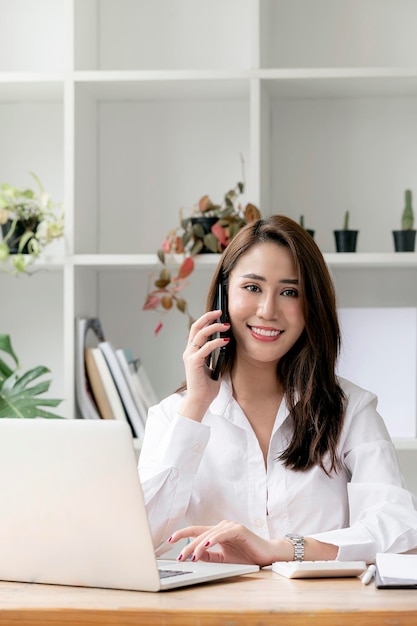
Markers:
point(29, 220)
point(19, 392)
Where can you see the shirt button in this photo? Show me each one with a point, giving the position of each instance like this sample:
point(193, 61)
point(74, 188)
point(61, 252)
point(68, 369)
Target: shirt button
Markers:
point(259, 522)
point(197, 447)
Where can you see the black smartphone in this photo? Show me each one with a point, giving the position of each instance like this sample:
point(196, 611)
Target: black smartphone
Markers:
point(217, 356)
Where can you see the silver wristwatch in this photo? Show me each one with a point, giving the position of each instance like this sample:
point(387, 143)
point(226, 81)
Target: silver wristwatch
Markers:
point(298, 543)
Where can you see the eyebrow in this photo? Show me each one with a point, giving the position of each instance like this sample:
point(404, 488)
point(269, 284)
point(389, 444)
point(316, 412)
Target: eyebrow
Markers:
point(285, 281)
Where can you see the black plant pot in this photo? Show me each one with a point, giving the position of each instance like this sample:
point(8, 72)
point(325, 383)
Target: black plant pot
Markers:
point(206, 223)
point(345, 240)
point(20, 229)
point(404, 240)
point(310, 232)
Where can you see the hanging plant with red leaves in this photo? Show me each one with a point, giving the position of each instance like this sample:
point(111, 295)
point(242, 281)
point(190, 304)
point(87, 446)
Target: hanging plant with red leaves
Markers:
point(189, 239)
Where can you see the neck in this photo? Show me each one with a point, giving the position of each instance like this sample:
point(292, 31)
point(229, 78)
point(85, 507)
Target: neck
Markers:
point(247, 378)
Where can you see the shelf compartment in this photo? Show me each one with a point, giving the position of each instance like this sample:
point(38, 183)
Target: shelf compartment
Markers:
point(31, 120)
point(324, 156)
point(138, 160)
point(35, 36)
point(208, 34)
point(341, 33)
point(32, 327)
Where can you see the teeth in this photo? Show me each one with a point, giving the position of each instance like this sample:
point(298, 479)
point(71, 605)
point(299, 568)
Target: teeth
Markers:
point(266, 333)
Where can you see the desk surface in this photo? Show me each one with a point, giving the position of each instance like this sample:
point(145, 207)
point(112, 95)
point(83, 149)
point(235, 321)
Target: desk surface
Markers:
point(263, 599)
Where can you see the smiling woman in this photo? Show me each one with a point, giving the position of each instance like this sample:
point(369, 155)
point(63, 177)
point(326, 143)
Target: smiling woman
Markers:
point(263, 306)
point(279, 458)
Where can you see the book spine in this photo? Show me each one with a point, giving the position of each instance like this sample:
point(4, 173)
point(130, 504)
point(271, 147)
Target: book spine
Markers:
point(129, 377)
point(86, 404)
point(122, 388)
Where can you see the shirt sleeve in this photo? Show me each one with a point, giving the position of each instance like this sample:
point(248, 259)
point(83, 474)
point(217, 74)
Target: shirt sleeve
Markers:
point(170, 457)
point(382, 513)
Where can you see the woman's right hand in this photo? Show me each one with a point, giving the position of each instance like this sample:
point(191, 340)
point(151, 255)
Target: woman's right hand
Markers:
point(201, 389)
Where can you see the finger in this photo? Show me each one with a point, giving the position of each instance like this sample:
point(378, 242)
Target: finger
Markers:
point(212, 535)
point(186, 533)
point(201, 534)
point(205, 320)
point(209, 556)
point(226, 531)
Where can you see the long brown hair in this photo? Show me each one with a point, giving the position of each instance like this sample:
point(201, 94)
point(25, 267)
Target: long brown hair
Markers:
point(307, 371)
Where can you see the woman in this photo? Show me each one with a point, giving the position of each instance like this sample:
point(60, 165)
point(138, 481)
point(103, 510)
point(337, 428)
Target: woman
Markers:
point(279, 458)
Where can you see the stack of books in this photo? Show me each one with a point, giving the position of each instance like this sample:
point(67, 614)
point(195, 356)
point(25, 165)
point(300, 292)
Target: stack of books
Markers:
point(110, 382)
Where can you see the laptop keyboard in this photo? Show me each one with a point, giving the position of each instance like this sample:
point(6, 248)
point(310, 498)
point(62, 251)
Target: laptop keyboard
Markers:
point(166, 573)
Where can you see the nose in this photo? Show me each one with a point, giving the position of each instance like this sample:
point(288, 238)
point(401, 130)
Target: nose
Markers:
point(267, 308)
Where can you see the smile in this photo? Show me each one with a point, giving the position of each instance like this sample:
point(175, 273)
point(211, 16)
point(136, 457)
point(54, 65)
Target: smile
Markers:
point(263, 332)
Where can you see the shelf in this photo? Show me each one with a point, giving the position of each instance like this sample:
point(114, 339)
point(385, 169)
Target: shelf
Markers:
point(116, 260)
point(163, 85)
point(357, 260)
point(340, 82)
point(31, 87)
point(375, 260)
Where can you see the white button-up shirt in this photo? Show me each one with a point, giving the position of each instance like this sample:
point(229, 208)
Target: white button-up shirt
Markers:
point(202, 473)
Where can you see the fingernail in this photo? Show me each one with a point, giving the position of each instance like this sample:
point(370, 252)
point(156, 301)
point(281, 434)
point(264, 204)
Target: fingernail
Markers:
point(170, 539)
point(179, 558)
point(227, 324)
point(226, 339)
point(207, 544)
point(193, 557)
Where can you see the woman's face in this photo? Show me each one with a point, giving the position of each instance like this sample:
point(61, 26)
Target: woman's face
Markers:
point(264, 303)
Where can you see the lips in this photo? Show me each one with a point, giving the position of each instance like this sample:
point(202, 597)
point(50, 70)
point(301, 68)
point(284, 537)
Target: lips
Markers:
point(266, 334)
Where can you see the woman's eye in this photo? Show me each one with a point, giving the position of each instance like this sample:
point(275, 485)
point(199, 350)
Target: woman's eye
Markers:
point(292, 293)
point(252, 288)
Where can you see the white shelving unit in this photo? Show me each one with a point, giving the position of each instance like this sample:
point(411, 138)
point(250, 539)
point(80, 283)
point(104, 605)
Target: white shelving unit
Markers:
point(131, 109)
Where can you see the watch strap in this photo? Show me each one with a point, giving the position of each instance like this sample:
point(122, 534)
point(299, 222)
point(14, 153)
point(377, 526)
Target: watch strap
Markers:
point(298, 543)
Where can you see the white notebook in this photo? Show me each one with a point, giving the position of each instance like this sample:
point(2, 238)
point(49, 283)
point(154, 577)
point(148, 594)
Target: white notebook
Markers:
point(73, 513)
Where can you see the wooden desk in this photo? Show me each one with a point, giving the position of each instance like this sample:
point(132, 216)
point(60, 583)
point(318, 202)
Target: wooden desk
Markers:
point(260, 599)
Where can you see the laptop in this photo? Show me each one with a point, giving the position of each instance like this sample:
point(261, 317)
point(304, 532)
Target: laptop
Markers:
point(72, 510)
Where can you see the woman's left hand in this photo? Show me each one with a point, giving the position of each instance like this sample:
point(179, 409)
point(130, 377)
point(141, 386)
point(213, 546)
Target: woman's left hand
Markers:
point(234, 544)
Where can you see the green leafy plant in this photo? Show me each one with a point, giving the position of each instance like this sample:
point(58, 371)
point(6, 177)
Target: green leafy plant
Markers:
point(189, 239)
point(30, 221)
point(346, 221)
point(407, 218)
point(18, 398)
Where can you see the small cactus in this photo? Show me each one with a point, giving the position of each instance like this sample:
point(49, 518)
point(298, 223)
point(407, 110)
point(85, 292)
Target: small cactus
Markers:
point(407, 219)
point(346, 221)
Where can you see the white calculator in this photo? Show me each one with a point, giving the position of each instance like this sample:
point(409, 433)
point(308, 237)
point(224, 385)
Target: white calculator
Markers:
point(319, 569)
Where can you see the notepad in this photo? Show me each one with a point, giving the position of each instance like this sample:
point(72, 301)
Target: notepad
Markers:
point(318, 569)
point(396, 571)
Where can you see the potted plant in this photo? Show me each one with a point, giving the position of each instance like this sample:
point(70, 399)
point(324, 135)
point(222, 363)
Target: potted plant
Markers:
point(29, 221)
point(310, 232)
point(345, 238)
point(404, 239)
point(208, 228)
point(17, 397)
